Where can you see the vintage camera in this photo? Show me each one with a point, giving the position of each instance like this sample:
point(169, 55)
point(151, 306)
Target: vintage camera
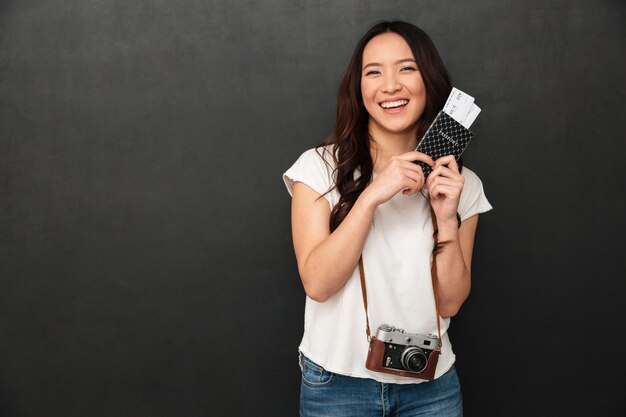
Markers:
point(396, 352)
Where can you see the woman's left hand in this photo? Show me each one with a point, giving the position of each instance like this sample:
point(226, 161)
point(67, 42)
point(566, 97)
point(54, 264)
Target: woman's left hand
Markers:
point(444, 185)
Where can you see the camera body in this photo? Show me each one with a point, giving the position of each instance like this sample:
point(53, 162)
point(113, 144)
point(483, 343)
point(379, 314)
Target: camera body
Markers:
point(396, 352)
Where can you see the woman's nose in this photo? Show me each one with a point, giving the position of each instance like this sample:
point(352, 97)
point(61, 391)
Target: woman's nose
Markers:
point(391, 84)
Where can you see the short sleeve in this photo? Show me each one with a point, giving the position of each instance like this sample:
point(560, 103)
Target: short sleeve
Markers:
point(313, 170)
point(473, 200)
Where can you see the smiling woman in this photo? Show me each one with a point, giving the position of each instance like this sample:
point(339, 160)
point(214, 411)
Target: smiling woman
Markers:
point(393, 91)
point(359, 206)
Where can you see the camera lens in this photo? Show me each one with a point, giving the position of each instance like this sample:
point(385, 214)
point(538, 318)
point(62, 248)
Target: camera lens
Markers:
point(413, 359)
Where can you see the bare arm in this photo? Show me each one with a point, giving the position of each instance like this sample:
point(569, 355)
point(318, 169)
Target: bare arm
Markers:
point(454, 265)
point(453, 282)
point(326, 260)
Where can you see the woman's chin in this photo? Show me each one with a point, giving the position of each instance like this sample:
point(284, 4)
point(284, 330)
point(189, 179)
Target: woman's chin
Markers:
point(398, 128)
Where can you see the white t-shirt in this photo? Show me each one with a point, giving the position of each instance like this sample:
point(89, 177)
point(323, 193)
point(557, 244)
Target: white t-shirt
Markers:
point(397, 260)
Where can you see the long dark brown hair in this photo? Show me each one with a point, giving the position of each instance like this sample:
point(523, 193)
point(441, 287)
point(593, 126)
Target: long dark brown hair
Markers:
point(350, 138)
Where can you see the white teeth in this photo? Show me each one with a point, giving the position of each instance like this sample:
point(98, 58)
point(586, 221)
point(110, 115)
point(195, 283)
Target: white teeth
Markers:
point(394, 104)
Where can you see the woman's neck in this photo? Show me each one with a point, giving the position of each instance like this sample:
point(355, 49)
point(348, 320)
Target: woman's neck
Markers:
point(386, 145)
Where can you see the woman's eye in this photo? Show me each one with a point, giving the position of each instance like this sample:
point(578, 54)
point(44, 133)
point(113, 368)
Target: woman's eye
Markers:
point(409, 69)
point(373, 72)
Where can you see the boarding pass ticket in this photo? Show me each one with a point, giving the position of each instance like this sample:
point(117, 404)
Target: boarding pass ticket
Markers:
point(460, 106)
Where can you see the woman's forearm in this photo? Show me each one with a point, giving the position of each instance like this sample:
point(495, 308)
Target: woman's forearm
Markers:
point(331, 263)
point(453, 275)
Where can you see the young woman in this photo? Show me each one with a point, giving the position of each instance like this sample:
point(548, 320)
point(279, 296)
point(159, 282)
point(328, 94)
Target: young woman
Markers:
point(361, 194)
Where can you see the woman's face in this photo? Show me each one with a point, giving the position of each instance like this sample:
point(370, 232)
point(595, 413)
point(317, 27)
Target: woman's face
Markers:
point(391, 85)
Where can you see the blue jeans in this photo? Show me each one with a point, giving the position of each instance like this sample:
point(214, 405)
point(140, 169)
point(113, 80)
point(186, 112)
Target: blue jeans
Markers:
point(325, 394)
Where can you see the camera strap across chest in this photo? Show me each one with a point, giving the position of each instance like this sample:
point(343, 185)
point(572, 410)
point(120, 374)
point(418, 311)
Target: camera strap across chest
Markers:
point(434, 277)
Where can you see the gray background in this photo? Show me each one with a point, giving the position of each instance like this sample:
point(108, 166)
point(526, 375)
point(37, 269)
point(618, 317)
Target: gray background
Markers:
point(146, 266)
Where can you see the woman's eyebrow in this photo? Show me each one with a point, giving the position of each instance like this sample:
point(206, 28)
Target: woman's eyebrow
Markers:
point(376, 64)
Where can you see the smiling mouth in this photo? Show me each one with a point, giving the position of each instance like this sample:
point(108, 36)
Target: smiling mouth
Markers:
point(393, 104)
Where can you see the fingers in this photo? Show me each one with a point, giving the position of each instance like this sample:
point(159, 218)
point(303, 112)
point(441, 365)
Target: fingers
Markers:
point(446, 167)
point(416, 156)
point(449, 161)
point(417, 180)
point(411, 179)
point(413, 174)
point(400, 175)
point(443, 191)
point(443, 171)
point(439, 186)
point(445, 180)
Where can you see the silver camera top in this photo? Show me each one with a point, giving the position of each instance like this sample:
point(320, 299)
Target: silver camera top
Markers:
point(390, 334)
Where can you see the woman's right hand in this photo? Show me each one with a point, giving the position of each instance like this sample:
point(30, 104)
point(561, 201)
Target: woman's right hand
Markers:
point(400, 175)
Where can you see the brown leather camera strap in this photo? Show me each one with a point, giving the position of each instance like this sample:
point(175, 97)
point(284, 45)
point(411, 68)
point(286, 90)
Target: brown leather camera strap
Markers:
point(434, 277)
point(364, 292)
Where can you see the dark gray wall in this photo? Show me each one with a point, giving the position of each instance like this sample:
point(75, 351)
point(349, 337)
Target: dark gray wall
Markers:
point(146, 266)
